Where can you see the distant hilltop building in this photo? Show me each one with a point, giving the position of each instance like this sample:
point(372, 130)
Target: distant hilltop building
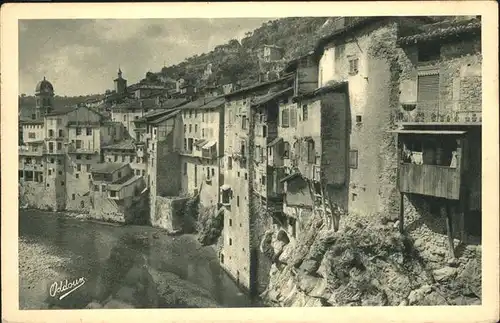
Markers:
point(271, 62)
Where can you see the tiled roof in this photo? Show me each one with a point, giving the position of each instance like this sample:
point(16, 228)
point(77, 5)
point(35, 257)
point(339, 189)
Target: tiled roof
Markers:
point(204, 103)
point(36, 121)
point(259, 85)
point(442, 33)
point(331, 86)
point(271, 96)
point(117, 187)
point(162, 118)
point(137, 104)
point(107, 168)
point(289, 177)
point(122, 145)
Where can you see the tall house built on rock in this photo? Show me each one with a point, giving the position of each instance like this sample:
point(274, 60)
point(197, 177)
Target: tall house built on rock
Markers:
point(439, 116)
point(202, 146)
point(242, 222)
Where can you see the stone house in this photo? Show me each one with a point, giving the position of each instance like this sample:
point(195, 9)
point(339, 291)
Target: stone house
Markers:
point(163, 163)
point(439, 115)
point(202, 140)
point(130, 110)
point(117, 194)
point(127, 151)
point(242, 219)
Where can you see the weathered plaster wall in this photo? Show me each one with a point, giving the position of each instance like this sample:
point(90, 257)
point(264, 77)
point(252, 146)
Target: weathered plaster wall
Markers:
point(459, 69)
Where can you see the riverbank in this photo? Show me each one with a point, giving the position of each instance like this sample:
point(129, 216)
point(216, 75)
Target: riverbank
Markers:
point(37, 268)
point(124, 266)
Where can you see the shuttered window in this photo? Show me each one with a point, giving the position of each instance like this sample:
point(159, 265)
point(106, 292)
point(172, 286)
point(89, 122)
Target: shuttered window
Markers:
point(428, 87)
point(293, 118)
point(284, 118)
point(311, 154)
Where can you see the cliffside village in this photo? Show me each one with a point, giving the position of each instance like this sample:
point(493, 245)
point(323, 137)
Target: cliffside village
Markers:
point(381, 118)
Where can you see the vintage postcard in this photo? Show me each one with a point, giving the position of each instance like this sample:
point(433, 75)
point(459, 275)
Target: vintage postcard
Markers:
point(242, 161)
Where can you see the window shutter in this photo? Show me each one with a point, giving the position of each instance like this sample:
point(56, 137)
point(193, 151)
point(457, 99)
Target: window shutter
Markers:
point(293, 118)
point(285, 116)
point(428, 88)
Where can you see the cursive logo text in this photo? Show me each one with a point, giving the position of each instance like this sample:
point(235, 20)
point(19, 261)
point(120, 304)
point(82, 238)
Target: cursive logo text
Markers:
point(63, 286)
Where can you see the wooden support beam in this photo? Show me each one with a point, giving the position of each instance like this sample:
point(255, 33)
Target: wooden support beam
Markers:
point(401, 213)
point(449, 228)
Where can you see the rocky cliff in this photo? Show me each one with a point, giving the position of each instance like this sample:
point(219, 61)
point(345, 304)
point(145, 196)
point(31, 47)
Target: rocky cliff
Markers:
point(366, 263)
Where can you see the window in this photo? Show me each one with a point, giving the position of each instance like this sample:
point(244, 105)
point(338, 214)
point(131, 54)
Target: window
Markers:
point(429, 52)
point(31, 135)
point(50, 172)
point(311, 154)
point(293, 118)
point(264, 131)
point(88, 157)
point(286, 150)
point(304, 112)
point(226, 194)
point(143, 172)
point(190, 128)
point(185, 128)
point(119, 174)
point(238, 200)
point(59, 162)
point(52, 160)
point(59, 146)
point(124, 117)
point(353, 66)
point(285, 118)
point(353, 158)
point(60, 172)
point(116, 158)
point(89, 131)
point(229, 163)
point(78, 144)
point(230, 222)
point(78, 157)
point(61, 134)
point(358, 118)
point(78, 131)
point(202, 133)
point(154, 131)
point(246, 176)
point(242, 148)
point(77, 175)
point(79, 167)
point(428, 88)
point(185, 144)
point(112, 193)
point(238, 174)
point(62, 183)
point(123, 159)
point(51, 146)
point(213, 172)
point(195, 128)
point(230, 241)
point(244, 122)
point(51, 133)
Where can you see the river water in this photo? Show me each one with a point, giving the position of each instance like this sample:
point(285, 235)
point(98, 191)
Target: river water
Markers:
point(123, 266)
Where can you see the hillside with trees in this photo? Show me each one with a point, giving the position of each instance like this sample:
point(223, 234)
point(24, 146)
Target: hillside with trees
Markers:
point(238, 60)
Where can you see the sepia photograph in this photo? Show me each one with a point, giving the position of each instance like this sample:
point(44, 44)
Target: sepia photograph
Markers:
point(249, 162)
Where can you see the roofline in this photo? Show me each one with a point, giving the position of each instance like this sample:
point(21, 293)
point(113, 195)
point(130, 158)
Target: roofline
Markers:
point(274, 96)
point(441, 33)
point(258, 85)
point(101, 172)
point(339, 87)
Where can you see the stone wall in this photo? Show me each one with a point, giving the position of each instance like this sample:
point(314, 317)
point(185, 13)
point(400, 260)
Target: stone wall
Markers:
point(170, 213)
point(131, 210)
point(34, 195)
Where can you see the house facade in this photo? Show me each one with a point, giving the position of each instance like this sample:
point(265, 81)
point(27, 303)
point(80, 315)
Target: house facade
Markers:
point(439, 118)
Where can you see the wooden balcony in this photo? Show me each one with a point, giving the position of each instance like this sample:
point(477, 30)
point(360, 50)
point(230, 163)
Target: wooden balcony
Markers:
point(30, 151)
point(431, 180)
point(440, 112)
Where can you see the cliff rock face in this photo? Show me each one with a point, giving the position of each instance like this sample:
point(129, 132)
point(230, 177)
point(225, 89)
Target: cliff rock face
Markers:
point(365, 264)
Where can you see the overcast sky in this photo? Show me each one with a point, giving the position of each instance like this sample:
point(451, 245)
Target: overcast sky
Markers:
point(82, 56)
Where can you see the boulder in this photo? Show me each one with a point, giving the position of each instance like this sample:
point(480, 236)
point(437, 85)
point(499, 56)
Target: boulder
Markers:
point(444, 274)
